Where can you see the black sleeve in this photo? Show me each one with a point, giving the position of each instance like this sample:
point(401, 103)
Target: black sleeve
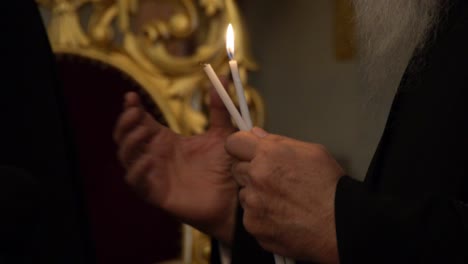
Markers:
point(429, 223)
point(19, 203)
point(373, 228)
point(34, 137)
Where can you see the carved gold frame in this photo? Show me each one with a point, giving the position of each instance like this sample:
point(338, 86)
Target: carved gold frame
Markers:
point(109, 31)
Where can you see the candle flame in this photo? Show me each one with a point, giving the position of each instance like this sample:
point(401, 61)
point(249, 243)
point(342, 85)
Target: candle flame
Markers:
point(230, 41)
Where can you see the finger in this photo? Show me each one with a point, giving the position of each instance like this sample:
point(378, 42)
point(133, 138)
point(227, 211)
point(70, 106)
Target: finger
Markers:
point(149, 121)
point(243, 192)
point(131, 99)
point(259, 132)
point(219, 115)
point(134, 144)
point(138, 173)
point(242, 145)
point(253, 221)
point(129, 119)
point(240, 173)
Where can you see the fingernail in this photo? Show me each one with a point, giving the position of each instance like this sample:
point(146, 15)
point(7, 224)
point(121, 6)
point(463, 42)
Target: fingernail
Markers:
point(259, 132)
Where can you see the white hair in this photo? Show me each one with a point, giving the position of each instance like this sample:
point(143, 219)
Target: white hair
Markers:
point(390, 32)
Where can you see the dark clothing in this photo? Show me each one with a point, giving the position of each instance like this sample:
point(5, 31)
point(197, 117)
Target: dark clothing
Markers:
point(412, 206)
point(34, 138)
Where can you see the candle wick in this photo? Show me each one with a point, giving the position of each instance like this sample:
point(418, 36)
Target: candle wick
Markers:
point(230, 55)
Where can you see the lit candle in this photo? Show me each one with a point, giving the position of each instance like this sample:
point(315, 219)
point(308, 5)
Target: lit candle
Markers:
point(236, 77)
point(230, 40)
point(244, 122)
point(225, 97)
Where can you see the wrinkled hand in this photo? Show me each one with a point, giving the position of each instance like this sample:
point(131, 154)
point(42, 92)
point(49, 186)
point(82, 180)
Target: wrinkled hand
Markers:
point(287, 193)
point(187, 176)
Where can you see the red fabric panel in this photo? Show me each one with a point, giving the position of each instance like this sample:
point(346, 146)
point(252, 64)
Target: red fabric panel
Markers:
point(124, 228)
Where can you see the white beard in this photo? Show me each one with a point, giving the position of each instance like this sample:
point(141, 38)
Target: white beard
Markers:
point(390, 32)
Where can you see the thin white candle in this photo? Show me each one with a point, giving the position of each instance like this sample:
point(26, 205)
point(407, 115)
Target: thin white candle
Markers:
point(230, 44)
point(240, 93)
point(225, 97)
point(243, 103)
point(188, 238)
point(244, 122)
point(283, 260)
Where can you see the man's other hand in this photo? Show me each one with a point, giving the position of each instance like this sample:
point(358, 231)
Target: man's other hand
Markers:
point(287, 193)
point(187, 176)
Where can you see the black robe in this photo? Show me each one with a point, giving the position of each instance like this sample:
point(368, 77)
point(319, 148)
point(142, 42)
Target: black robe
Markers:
point(41, 210)
point(412, 206)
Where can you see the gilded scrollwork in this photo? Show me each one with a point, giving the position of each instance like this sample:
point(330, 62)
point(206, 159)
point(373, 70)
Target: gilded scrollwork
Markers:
point(65, 29)
point(163, 40)
point(160, 43)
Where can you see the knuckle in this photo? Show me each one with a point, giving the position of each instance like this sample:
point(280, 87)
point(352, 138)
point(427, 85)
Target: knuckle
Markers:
point(238, 168)
point(257, 174)
point(139, 133)
point(131, 138)
point(139, 178)
point(271, 150)
point(320, 147)
point(139, 170)
point(252, 200)
point(317, 151)
point(138, 138)
point(231, 141)
point(251, 225)
point(134, 113)
point(264, 150)
point(129, 117)
point(276, 138)
point(234, 167)
point(252, 171)
point(235, 138)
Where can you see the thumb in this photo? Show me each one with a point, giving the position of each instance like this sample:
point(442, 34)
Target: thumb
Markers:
point(219, 115)
point(131, 100)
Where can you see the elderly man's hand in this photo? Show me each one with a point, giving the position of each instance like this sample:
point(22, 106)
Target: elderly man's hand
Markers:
point(287, 193)
point(187, 176)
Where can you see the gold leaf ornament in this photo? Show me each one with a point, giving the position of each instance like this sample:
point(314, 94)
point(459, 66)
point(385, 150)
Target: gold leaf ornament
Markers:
point(212, 6)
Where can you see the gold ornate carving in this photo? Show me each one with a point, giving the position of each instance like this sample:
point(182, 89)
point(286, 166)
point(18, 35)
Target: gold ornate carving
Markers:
point(160, 43)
